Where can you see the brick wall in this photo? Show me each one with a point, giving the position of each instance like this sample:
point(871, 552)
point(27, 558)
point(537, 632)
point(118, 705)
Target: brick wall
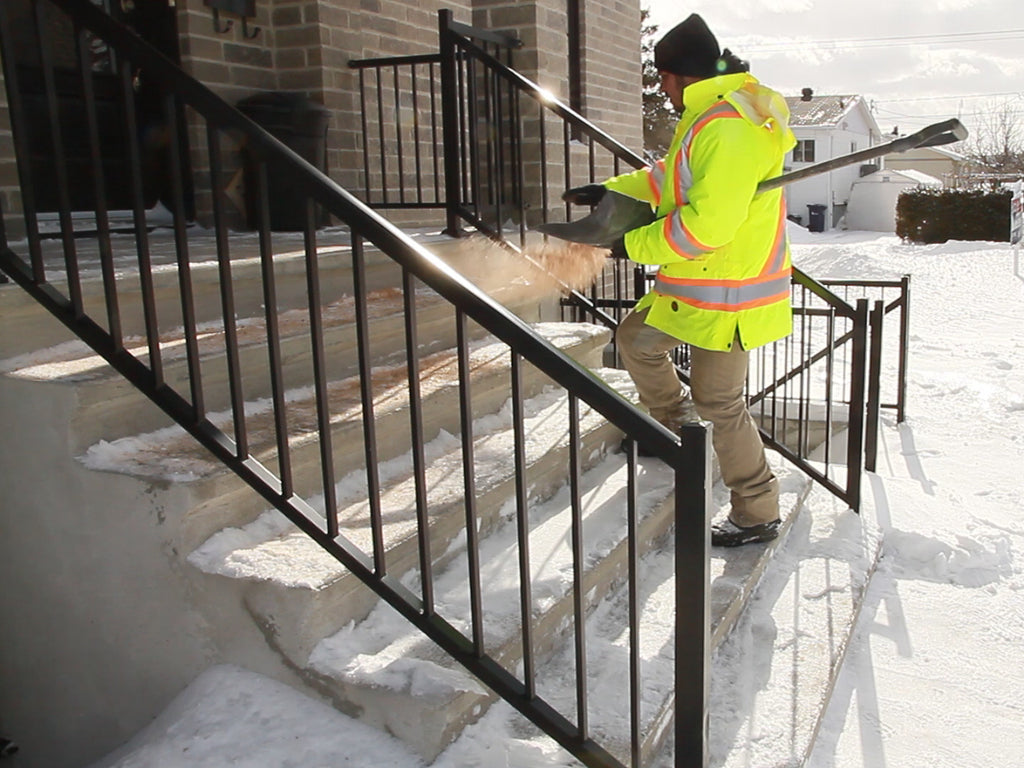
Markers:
point(305, 46)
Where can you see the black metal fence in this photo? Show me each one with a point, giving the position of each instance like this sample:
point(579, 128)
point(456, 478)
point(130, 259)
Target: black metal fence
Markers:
point(139, 318)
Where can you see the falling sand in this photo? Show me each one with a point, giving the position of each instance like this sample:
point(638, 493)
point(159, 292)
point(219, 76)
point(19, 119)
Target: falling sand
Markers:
point(542, 269)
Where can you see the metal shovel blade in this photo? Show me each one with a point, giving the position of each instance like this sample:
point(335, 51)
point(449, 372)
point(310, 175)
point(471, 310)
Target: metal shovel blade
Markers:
point(614, 216)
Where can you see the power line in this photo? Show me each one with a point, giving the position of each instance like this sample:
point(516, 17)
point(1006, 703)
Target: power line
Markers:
point(875, 42)
point(951, 98)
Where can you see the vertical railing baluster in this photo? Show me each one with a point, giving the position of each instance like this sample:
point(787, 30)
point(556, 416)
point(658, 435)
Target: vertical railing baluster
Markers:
point(904, 350)
point(416, 135)
point(541, 112)
point(111, 300)
point(469, 484)
point(461, 79)
point(380, 135)
point(874, 395)
point(499, 159)
point(188, 309)
point(803, 432)
point(276, 362)
point(365, 135)
point(67, 233)
point(517, 152)
point(829, 399)
point(523, 527)
point(633, 619)
point(146, 285)
point(316, 334)
point(435, 147)
point(579, 604)
point(567, 154)
point(449, 122)
point(474, 138)
point(19, 129)
point(398, 136)
point(227, 293)
point(418, 439)
point(359, 290)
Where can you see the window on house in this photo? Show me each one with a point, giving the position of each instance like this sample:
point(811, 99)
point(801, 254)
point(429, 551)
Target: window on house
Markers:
point(803, 152)
point(853, 147)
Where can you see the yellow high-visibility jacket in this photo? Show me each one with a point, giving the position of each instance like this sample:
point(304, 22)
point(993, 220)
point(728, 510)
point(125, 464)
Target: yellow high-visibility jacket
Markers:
point(722, 250)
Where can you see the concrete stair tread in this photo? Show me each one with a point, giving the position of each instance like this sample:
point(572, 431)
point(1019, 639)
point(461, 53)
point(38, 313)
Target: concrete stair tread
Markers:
point(299, 594)
point(375, 664)
point(172, 455)
point(271, 549)
point(772, 672)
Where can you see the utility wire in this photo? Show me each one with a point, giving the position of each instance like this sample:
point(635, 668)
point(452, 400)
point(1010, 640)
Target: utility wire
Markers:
point(876, 42)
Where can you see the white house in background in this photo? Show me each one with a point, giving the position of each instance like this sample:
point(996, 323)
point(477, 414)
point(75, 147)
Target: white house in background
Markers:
point(945, 164)
point(873, 198)
point(827, 127)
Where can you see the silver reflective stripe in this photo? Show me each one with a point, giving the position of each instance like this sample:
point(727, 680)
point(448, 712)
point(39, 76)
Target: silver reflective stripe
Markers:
point(727, 295)
point(657, 173)
point(678, 239)
point(778, 256)
point(684, 177)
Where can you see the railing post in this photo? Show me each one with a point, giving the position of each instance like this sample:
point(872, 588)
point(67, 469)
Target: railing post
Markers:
point(449, 122)
point(855, 436)
point(693, 610)
point(901, 382)
point(876, 320)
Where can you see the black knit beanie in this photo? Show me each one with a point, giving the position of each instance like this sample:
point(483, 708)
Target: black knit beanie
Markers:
point(689, 48)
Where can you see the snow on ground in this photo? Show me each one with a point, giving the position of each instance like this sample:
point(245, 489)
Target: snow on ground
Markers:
point(934, 674)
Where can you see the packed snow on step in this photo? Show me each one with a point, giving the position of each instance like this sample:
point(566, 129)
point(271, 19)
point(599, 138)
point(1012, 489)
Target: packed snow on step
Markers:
point(930, 677)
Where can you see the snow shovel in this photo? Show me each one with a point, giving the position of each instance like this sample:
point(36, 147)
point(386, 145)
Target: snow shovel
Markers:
point(617, 214)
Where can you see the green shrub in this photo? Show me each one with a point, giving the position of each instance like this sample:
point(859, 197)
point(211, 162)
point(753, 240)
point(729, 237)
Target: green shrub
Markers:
point(935, 215)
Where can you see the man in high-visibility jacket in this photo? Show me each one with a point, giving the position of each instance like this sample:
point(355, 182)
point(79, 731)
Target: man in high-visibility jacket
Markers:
point(723, 261)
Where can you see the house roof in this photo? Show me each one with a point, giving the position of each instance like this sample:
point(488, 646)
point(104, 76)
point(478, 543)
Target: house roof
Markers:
point(820, 111)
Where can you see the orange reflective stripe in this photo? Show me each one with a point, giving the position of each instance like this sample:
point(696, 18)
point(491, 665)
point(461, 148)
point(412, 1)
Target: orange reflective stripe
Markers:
point(656, 178)
point(679, 238)
point(721, 109)
point(777, 255)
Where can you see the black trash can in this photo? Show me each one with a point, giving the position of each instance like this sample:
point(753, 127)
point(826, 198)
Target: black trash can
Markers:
point(816, 217)
point(301, 125)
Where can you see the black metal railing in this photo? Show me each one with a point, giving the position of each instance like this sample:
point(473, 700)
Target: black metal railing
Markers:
point(138, 320)
point(511, 148)
point(400, 108)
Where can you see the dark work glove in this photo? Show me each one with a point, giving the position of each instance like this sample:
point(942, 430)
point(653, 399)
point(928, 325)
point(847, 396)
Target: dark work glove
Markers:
point(618, 248)
point(589, 194)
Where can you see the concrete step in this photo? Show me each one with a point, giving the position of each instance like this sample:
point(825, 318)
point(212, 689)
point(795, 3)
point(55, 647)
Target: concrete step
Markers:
point(28, 327)
point(110, 407)
point(401, 682)
point(218, 499)
point(782, 616)
point(299, 594)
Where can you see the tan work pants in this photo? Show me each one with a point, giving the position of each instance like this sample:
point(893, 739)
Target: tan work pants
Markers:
point(716, 385)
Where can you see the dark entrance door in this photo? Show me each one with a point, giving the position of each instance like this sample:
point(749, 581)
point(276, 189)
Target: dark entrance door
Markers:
point(155, 21)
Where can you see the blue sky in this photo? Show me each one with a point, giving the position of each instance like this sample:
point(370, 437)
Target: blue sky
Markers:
point(917, 62)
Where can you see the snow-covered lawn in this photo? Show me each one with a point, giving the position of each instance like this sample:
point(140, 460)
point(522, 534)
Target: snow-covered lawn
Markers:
point(935, 672)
